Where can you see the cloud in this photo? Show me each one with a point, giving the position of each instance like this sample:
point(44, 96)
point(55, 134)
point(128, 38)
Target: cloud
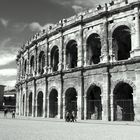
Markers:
point(4, 22)
point(8, 51)
point(8, 72)
point(36, 27)
point(77, 8)
point(81, 3)
point(8, 83)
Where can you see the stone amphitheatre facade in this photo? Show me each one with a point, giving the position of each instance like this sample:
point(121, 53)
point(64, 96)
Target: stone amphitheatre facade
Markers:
point(89, 63)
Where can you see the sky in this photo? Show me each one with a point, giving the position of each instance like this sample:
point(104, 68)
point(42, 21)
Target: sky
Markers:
point(21, 19)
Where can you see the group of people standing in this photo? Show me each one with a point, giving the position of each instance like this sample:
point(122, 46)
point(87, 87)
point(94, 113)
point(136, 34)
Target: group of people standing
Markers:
point(70, 116)
point(6, 111)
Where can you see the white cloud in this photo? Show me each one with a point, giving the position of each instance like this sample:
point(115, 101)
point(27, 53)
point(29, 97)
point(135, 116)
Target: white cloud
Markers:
point(82, 3)
point(36, 27)
point(4, 22)
point(9, 84)
point(77, 8)
point(8, 51)
point(8, 72)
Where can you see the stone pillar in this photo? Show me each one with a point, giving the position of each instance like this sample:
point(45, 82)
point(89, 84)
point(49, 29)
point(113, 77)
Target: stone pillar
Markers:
point(80, 48)
point(27, 113)
point(20, 101)
point(49, 66)
point(105, 97)
point(104, 43)
point(17, 100)
point(85, 107)
point(36, 105)
point(79, 105)
point(136, 36)
point(33, 104)
point(85, 54)
point(34, 101)
point(59, 106)
point(136, 95)
point(64, 55)
point(64, 107)
point(112, 106)
point(44, 104)
point(48, 107)
point(61, 53)
point(36, 60)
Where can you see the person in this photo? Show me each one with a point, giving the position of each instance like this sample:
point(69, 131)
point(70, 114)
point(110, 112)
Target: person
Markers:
point(5, 112)
point(67, 116)
point(13, 114)
point(73, 116)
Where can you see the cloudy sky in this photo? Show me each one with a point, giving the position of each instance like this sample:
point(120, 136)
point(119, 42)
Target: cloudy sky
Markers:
point(20, 19)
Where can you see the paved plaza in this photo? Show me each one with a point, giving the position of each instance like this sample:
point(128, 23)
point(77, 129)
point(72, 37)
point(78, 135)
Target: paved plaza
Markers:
point(50, 129)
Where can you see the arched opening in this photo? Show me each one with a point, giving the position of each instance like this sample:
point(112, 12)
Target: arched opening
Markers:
point(123, 102)
point(25, 67)
point(93, 49)
point(32, 65)
point(23, 104)
point(71, 100)
point(53, 104)
point(71, 54)
point(41, 62)
point(121, 42)
point(40, 104)
point(54, 58)
point(30, 104)
point(94, 105)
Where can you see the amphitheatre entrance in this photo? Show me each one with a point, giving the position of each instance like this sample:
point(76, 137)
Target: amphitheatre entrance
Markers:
point(40, 104)
point(71, 100)
point(53, 104)
point(94, 106)
point(123, 102)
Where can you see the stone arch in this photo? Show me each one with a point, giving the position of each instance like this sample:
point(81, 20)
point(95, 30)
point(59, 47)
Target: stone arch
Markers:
point(90, 32)
point(123, 101)
point(94, 84)
point(41, 61)
point(71, 54)
point(40, 104)
point(121, 41)
point(71, 100)
point(94, 102)
point(54, 56)
point(122, 23)
point(125, 81)
point(30, 102)
point(32, 64)
point(53, 103)
point(93, 49)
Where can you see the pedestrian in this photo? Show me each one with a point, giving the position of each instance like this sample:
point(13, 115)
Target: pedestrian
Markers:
point(13, 114)
point(5, 112)
point(73, 116)
point(67, 118)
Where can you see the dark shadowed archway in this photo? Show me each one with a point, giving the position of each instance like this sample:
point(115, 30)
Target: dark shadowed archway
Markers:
point(123, 102)
point(121, 42)
point(30, 104)
point(71, 54)
point(40, 104)
point(71, 100)
point(53, 104)
point(94, 105)
point(54, 58)
point(93, 49)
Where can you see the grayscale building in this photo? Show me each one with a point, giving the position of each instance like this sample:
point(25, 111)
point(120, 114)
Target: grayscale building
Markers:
point(88, 63)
